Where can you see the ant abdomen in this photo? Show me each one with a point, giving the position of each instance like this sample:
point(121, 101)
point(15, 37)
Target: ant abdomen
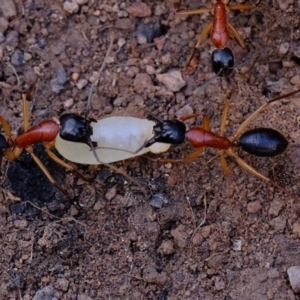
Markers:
point(265, 142)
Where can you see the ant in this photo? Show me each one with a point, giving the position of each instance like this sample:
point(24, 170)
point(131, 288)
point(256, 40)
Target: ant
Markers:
point(262, 142)
point(220, 32)
point(80, 140)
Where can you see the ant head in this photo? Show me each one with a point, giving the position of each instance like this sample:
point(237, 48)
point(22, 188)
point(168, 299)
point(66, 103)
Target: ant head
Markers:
point(222, 62)
point(169, 132)
point(75, 128)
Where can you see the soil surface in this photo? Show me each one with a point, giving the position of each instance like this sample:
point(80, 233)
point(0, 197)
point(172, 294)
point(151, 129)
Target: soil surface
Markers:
point(186, 231)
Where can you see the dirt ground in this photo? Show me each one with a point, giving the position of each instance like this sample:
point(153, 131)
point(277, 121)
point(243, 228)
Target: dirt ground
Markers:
point(191, 233)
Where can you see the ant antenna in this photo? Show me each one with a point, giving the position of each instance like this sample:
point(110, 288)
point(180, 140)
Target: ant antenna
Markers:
point(204, 85)
point(90, 142)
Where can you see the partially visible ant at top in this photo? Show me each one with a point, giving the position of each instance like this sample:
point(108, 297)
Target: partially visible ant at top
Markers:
point(220, 32)
point(261, 142)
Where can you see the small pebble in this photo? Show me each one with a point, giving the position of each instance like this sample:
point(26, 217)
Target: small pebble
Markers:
point(71, 7)
point(17, 59)
point(3, 25)
point(12, 39)
point(160, 10)
point(166, 247)
point(62, 284)
point(158, 201)
point(273, 273)
point(275, 208)
point(27, 56)
point(83, 297)
point(172, 80)
point(237, 245)
point(181, 235)
point(46, 292)
point(2, 37)
point(21, 224)
point(81, 83)
point(120, 101)
point(278, 223)
point(296, 227)
point(254, 207)
point(139, 9)
point(121, 42)
point(68, 103)
point(82, 2)
point(55, 85)
point(150, 70)
point(166, 59)
point(61, 75)
point(284, 4)
point(150, 275)
point(45, 32)
point(143, 82)
point(124, 24)
point(197, 239)
point(284, 48)
point(294, 278)
point(111, 193)
point(141, 39)
point(295, 80)
point(75, 76)
point(8, 9)
point(220, 285)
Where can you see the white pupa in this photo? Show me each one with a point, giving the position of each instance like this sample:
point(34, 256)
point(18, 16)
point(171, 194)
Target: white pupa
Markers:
point(117, 138)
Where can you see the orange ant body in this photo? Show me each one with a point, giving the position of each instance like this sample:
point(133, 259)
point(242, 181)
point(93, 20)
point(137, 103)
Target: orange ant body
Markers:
point(220, 29)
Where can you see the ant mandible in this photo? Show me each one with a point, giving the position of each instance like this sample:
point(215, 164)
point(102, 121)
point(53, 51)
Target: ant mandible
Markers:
point(80, 140)
point(262, 142)
point(220, 32)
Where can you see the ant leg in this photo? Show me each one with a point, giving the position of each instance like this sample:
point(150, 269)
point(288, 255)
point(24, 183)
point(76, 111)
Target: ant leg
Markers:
point(5, 126)
point(184, 118)
point(194, 155)
point(12, 155)
point(67, 166)
point(25, 112)
point(190, 157)
point(206, 123)
point(234, 34)
point(247, 167)
point(252, 171)
point(241, 6)
point(201, 38)
point(46, 172)
point(259, 110)
point(224, 165)
point(192, 11)
point(224, 116)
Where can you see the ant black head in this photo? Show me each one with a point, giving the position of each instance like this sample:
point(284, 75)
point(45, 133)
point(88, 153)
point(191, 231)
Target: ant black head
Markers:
point(75, 128)
point(222, 62)
point(167, 132)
